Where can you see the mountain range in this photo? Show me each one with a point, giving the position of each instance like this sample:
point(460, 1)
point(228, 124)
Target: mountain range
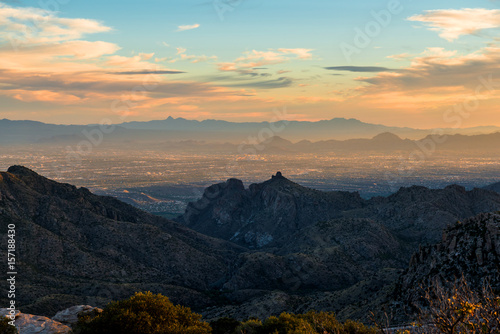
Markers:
point(179, 129)
point(275, 246)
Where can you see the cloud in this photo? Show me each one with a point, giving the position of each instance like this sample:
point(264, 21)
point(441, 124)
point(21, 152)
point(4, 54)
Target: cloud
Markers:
point(180, 50)
point(197, 59)
point(436, 78)
point(267, 84)
point(359, 68)
point(148, 72)
point(300, 53)
point(256, 59)
point(27, 25)
point(453, 23)
point(401, 56)
point(188, 27)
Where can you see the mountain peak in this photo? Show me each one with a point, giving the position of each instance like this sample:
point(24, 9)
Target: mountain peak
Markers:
point(278, 175)
point(387, 136)
point(21, 171)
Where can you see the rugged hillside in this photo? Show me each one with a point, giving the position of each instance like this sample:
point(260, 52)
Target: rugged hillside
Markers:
point(329, 251)
point(470, 249)
point(266, 215)
point(76, 247)
point(257, 216)
point(494, 187)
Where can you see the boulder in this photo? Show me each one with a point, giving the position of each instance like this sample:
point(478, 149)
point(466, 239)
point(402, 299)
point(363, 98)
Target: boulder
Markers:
point(31, 324)
point(70, 315)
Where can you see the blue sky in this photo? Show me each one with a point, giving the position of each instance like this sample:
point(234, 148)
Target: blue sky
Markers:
point(241, 63)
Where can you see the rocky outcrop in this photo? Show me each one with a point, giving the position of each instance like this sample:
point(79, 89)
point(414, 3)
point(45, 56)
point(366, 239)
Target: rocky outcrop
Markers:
point(256, 217)
point(469, 249)
point(266, 214)
point(69, 316)
point(31, 324)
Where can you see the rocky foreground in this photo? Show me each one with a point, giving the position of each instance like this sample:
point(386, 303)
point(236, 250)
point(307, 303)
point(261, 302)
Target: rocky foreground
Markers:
point(61, 323)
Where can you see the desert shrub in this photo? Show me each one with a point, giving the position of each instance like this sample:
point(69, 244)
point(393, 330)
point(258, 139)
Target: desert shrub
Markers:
point(460, 310)
point(144, 313)
point(252, 326)
point(5, 328)
point(286, 323)
point(309, 323)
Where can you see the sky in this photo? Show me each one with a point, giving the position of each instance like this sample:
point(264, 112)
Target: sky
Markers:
point(421, 64)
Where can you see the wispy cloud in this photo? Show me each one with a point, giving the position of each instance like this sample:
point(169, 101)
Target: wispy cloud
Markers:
point(359, 68)
point(188, 27)
point(34, 25)
point(256, 59)
point(300, 53)
point(149, 72)
point(453, 23)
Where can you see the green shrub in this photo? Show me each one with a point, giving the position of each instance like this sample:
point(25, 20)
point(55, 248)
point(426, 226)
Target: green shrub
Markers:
point(309, 323)
point(252, 326)
point(144, 313)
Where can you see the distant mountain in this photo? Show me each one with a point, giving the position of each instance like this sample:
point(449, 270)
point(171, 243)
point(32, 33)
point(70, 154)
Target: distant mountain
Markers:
point(336, 128)
point(327, 132)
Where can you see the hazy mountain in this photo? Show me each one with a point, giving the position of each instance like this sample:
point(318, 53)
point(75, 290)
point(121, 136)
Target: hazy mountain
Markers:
point(327, 133)
point(336, 128)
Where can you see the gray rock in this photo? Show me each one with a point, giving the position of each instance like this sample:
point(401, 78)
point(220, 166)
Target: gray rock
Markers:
point(35, 324)
point(70, 315)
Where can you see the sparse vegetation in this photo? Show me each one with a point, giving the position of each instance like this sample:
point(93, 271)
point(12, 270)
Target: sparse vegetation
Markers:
point(461, 310)
point(143, 313)
point(309, 323)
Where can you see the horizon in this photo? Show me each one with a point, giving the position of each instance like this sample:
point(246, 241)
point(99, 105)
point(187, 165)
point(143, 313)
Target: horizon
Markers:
point(73, 64)
point(255, 121)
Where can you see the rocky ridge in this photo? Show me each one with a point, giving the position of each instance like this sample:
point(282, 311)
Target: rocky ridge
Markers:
point(469, 249)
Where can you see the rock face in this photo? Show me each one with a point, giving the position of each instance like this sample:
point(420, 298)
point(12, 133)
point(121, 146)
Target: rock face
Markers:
point(494, 187)
point(257, 216)
point(74, 247)
point(31, 324)
point(470, 249)
point(266, 215)
point(69, 316)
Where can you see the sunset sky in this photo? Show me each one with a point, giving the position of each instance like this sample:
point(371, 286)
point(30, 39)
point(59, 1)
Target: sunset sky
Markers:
point(402, 63)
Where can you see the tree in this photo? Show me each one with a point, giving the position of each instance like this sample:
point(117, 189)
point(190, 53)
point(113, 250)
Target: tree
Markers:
point(143, 313)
